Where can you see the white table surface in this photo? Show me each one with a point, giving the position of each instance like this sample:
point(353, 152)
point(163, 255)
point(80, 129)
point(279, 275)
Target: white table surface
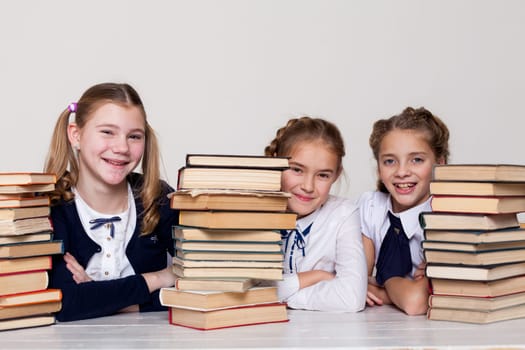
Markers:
point(378, 327)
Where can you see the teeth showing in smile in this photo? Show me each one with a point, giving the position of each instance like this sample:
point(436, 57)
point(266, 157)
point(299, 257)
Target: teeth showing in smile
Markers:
point(405, 185)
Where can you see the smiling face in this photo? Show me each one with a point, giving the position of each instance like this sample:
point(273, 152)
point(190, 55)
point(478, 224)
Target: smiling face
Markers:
point(314, 167)
point(405, 163)
point(111, 144)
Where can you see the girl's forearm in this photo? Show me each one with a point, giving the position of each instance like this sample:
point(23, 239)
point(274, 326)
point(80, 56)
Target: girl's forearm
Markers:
point(309, 278)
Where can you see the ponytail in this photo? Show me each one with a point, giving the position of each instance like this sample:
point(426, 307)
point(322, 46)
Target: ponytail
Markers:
point(151, 188)
point(59, 156)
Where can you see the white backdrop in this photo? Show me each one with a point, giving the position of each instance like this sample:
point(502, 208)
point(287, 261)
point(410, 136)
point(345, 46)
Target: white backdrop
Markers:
point(222, 76)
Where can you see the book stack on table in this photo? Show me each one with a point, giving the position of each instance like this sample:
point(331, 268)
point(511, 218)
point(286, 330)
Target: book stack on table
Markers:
point(473, 243)
point(228, 240)
point(26, 246)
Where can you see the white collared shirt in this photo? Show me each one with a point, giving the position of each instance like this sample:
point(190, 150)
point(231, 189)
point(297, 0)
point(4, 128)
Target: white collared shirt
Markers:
point(374, 207)
point(333, 244)
point(111, 262)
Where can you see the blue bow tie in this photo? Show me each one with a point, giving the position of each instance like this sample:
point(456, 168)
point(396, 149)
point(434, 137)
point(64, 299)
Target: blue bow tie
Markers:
point(96, 223)
point(298, 241)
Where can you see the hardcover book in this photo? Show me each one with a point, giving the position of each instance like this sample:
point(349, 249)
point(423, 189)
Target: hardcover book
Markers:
point(218, 284)
point(483, 289)
point(246, 161)
point(475, 273)
point(472, 236)
point(457, 221)
point(227, 263)
point(27, 322)
point(472, 247)
point(483, 258)
point(21, 250)
point(26, 178)
point(27, 238)
point(228, 272)
point(476, 303)
point(16, 195)
point(479, 172)
point(453, 188)
point(24, 212)
point(33, 263)
point(475, 316)
point(229, 200)
point(29, 309)
point(25, 226)
point(229, 178)
point(23, 282)
point(252, 220)
point(209, 300)
point(189, 233)
point(42, 296)
point(228, 255)
point(231, 317)
point(10, 189)
point(478, 205)
point(229, 246)
point(23, 202)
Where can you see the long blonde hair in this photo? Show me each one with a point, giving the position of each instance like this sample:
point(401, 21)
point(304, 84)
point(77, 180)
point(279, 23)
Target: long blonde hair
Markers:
point(61, 159)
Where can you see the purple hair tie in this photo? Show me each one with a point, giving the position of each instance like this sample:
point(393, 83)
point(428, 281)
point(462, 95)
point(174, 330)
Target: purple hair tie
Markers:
point(72, 107)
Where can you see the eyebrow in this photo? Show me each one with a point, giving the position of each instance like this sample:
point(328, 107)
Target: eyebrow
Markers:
point(392, 155)
point(113, 126)
point(320, 170)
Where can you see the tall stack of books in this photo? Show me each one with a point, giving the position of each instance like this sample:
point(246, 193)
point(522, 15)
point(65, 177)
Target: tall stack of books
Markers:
point(474, 245)
point(231, 210)
point(26, 246)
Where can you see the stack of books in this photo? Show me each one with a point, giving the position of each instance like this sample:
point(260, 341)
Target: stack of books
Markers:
point(26, 246)
point(231, 210)
point(473, 243)
point(215, 309)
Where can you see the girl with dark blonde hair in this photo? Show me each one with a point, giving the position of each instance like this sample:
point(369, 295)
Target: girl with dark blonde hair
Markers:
point(115, 223)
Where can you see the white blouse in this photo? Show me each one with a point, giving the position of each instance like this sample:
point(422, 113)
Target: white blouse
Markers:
point(111, 262)
point(374, 207)
point(334, 244)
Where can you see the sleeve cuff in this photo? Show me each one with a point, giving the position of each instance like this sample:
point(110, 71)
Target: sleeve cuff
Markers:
point(288, 286)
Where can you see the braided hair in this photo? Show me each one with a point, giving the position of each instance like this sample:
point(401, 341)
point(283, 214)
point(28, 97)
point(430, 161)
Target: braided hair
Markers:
point(307, 129)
